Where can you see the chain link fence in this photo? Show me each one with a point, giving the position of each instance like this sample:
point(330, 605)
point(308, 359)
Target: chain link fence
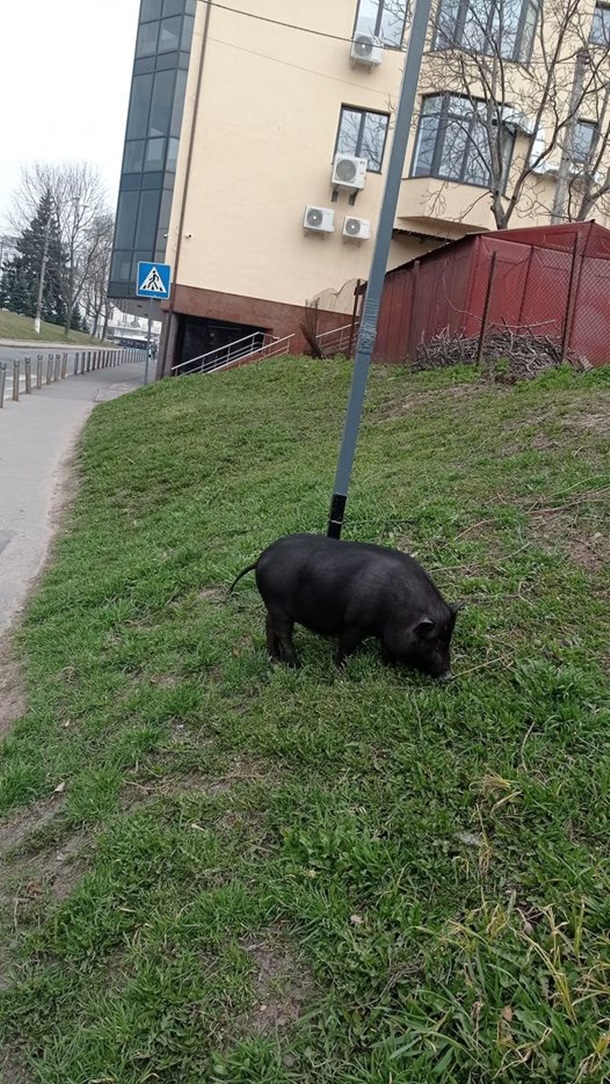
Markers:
point(496, 299)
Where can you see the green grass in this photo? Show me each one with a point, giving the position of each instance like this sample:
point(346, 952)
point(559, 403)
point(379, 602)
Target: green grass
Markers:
point(21, 329)
point(271, 877)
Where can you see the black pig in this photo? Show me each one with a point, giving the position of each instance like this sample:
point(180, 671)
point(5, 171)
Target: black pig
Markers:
point(353, 590)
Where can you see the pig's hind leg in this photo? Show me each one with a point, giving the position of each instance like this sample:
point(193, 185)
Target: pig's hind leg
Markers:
point(279, 638)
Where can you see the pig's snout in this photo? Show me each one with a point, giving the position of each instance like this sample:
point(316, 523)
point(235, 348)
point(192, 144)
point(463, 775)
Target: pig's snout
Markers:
point(447, 676)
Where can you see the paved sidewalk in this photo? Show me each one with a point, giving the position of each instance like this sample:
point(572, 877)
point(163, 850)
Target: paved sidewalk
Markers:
point(37, 437)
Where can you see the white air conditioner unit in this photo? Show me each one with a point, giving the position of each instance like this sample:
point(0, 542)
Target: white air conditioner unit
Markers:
point(366, 49)
point(357, 229)
point(349, 172)
point(319, 219)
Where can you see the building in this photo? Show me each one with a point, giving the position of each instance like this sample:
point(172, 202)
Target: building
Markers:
point(258, 138)
point(127, 329)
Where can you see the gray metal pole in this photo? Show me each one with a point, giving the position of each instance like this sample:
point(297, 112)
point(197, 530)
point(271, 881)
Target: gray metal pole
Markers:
point(370, 312)
point(148, 341)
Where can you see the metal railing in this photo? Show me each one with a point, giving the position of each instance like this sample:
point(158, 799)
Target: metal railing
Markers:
point(338, 339)
point(249, 348)
point(16, 376)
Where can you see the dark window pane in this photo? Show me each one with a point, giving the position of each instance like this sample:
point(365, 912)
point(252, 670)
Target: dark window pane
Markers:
point(178, 109)
point(151, 9)
point(363, 134)
point(165, 212)
point(166, 61)
point(155, 155)
point(161, 103)
point(121, 267)
point(600, 27)
point(134, 156)
point(173, 7)
point(144, 65)
point(172, 154)
point(127, 213)
point(582, 139)
point(426, 143)
point(148, 218)
point(147, 39)
point(453, 141)
point(139, 105)
point(152, 180)
point(169, 38)
point(187, 32)
point(488, 27)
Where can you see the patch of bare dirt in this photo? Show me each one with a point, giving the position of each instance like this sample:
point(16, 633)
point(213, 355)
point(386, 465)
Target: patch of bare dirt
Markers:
point(12, 692)
point(596, 420)
point(392, 411)
point(559, 531)
point(213, 594)
point(15, 828)
point(53, 873)
point(197, 782)
point(282, 986)
point(12, 1066)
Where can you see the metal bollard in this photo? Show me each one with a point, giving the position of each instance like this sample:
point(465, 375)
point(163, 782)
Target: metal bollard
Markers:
point(39, 361)
point(28, 376)
point(57, 367)
point(16, 379)
point(2, 382)
point(88, 369)
point(64, 366)
point(50, 360)
point(76, 355)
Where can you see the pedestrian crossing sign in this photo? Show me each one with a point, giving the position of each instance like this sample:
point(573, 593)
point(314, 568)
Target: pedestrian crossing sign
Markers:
point(154, 280)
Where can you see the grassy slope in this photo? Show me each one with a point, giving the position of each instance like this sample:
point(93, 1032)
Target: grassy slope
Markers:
point(21, 328)
point(310, 877)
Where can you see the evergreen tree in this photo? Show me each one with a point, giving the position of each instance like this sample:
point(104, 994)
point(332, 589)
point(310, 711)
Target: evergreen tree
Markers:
point(21, 276)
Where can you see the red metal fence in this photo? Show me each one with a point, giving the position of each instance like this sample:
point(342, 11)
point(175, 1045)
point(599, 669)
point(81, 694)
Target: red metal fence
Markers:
point(549, 283)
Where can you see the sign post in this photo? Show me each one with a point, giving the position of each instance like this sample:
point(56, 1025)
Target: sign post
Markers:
point(370, 313)
point(154, 282)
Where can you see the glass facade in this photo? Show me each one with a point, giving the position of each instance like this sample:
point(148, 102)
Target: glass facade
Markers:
point(158, 88)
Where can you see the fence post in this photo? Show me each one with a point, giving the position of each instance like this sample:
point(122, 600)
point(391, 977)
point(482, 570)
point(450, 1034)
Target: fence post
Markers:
point(567, 320)
point(57, 367)
point(75, 362)
point(411, 351)
point(64, 366)
point(39, 361)
point(28, 376)
point(2, 382)
point(485, 315)
point(49, 368)
point(16, 379)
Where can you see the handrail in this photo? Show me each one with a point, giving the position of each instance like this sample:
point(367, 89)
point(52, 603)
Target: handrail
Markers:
point(204, 358)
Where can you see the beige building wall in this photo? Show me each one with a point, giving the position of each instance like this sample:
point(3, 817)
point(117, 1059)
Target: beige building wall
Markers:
point(267, 122)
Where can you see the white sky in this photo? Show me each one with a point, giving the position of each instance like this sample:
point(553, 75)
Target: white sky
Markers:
point(65, 73)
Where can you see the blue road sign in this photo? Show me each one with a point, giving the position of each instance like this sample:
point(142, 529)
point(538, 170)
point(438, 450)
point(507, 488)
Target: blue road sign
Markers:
point(154, 280)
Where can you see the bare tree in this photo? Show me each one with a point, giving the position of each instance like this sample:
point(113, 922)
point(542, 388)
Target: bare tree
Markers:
point(94, 297)
point(80, 203)
point(520, 77)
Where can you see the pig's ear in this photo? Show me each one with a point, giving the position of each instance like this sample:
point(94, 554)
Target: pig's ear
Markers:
point(455, 607)
point(424, 626)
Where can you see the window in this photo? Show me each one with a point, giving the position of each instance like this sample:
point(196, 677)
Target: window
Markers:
point(363, 134)
point(495, 27)
point(600, 27)
point(139, 106)
point(169, 38)
point(582, 140)
point(147, 39)
point(133, 158)
point(161, 103)
point(383, 18)
point(151, 9)
point(155, 155)
point(453, 141)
